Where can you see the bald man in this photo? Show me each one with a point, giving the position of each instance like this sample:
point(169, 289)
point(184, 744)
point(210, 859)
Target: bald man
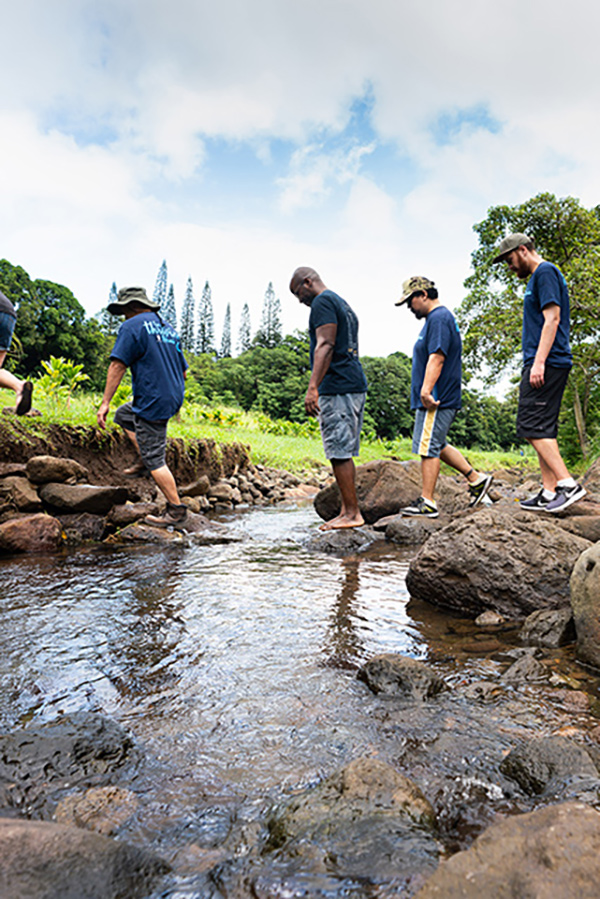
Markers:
point(337, 388)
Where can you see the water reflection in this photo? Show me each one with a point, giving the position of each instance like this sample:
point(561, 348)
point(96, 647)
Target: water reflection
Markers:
point(344, 641)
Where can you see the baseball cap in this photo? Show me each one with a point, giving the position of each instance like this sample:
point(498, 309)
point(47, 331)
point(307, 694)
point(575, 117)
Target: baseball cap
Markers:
point(412, 285)
point(510, 243)
point(129, 295)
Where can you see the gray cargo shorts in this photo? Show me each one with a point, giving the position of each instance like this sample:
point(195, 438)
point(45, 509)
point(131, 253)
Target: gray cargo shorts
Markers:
point(150, 435)
point(341, 419)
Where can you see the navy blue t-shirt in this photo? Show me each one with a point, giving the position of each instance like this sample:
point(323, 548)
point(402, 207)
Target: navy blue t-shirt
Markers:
point(345, 374)
point(151, 348)
point(440, 334)
point(546, 285)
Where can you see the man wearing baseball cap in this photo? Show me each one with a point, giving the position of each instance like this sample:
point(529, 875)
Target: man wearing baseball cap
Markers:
point(436, 395)
point(547, 361)
point(151, 348)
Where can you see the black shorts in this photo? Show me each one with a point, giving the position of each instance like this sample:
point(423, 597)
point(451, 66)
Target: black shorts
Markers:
point(150, 435)
point(537, 416)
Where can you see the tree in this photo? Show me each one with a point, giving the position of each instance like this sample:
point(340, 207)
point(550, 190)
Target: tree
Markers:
point(52, 322)
point(388, 397)
point(160, 288)
point(269, 334)
point(226, 336)
point(244, 335)
point(169, 310)
point(567, 234)
point(110, 323)
point(205, 341)
point(187, 319)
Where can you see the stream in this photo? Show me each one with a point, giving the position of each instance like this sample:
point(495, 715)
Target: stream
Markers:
point(234, 667)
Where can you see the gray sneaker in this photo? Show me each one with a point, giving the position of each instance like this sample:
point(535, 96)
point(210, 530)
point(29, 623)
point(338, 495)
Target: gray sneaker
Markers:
point(537, 503)
point(565, 497)
point(174, 517)
point(421, 508)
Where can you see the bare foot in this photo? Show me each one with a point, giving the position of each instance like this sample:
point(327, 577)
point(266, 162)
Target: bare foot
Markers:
point(342, 521)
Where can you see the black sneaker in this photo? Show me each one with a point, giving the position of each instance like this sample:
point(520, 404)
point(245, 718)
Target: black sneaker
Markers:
point(537, 503)
point(565, 497)
point(479, 490)
point(421, 508)
point(174, 517)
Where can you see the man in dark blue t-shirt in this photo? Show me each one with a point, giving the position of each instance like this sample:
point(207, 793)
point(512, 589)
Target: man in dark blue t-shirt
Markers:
point(547, 361)
point(151, 349)
point(337, 387)
point(436, 395)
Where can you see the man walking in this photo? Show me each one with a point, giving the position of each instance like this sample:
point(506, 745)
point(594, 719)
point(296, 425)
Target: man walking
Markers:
point(436, 395)
point(337, 387)
point(547, 361)
point(151, 348)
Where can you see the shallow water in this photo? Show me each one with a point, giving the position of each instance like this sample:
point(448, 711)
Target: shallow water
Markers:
point(234, 667)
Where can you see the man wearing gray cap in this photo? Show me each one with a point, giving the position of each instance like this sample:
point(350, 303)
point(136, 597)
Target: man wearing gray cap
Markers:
point(436, 395)
point(151, 348)
point(547, 361)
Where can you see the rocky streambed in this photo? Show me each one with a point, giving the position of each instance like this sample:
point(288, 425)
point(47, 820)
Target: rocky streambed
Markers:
point(267, 712)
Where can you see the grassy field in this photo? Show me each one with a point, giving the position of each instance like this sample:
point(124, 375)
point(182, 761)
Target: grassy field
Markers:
point(275, 444)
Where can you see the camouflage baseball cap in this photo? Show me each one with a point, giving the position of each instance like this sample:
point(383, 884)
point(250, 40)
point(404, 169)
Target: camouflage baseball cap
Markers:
point(129, 295)
point(510, 243)
point(416, 284)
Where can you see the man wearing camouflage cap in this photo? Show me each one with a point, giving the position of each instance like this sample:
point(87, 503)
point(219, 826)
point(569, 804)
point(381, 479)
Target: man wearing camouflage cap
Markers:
point(151, 348)
point(547, 361)
point(436, 395)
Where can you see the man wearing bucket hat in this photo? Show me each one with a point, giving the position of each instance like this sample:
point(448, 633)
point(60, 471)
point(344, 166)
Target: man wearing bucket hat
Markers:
point(151, 348)
point(436, 395)
point(547, 361)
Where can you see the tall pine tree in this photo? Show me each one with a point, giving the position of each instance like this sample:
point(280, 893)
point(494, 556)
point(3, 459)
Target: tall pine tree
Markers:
point(169, 310)
point(110, 323)
point(160, 288)
point(245, 335)
point(269, 335)
point(226, 336)
point(187, 319)
point(205, 342)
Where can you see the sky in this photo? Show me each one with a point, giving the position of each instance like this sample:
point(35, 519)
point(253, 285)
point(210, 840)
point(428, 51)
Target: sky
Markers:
point(238, 140)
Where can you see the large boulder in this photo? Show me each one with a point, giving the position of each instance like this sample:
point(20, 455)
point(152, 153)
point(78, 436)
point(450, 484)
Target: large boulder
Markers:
point(384, 487)
point(549, 853)
point(547, 765)
point(21, 493)
point(503, 559)
point(585, 602)
point(82, 497)
point(41, 860)
point(31, 534)
point(365, 820)
point(43, 469)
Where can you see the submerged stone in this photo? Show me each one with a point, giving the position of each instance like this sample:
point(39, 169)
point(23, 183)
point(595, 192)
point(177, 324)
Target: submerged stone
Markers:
point(399, 675)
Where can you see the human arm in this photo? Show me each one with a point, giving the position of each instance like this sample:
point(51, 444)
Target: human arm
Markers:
point(433, 370)
point(322, 356)
point(551, 314)
point(114, 376)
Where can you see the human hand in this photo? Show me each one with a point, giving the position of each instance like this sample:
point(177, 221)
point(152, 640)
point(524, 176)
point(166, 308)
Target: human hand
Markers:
point(428, 400)
point(311, 401)
point(101, 415)
point(536, 375)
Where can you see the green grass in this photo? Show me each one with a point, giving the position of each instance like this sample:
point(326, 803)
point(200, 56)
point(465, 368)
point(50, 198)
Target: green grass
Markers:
point(289, 450)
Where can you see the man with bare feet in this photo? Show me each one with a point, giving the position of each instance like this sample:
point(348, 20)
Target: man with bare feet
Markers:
point(151, 348)
point(547, 361)
point(337, 388)
point(22, 389)
point(436, 396)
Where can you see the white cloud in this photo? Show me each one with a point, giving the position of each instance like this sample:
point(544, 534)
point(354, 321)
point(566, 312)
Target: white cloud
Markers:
point(106, 153)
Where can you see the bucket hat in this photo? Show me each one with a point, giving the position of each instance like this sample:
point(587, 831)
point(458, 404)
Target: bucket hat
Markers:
point(129, 295)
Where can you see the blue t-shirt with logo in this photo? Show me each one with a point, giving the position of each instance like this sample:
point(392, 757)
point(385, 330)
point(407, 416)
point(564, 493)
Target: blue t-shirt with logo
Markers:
point(547, 285)
point(345, 374)
point(151, 348)
point(440, 334)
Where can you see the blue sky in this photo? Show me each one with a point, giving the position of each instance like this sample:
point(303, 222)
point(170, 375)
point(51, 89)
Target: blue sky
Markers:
point(242, 139)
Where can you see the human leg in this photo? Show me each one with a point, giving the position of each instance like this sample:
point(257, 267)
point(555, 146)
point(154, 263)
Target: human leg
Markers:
point(22, 389)
point(341, 421)
point(479, 483)
point(430, 469)
point(551, 462)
